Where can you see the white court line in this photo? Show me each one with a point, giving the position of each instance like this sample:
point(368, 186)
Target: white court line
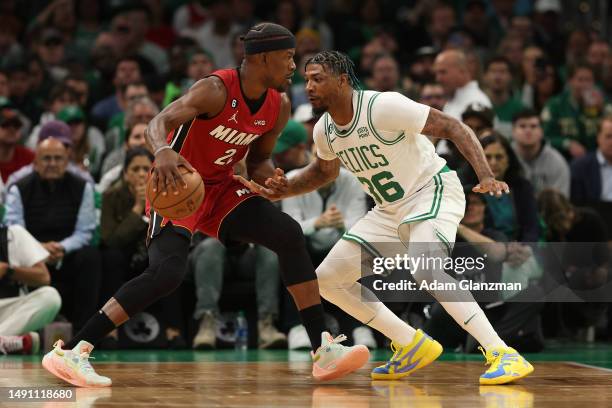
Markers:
point(608, 370)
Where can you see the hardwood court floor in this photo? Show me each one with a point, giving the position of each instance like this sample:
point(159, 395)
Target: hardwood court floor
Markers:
point(210, 380)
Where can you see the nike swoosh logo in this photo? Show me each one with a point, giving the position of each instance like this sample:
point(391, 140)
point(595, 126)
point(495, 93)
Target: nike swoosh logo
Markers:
point(471, 317)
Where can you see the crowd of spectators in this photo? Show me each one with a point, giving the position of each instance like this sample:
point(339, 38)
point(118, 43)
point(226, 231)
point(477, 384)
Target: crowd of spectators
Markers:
point(81, 79)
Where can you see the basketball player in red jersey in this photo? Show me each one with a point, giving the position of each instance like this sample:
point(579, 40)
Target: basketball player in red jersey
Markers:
point(213, 126)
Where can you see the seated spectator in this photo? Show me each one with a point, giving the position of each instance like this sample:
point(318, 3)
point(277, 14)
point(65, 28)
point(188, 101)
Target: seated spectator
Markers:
point(478, 118)
point(27, 302)
point(385, 74)
point(582, 260)
point(460, 86)
point(139, 109)
point(127, 71)
point(570, 120)
point(80, 86)
point(530, 75)
point(598, 52)
point(60, 97)
point(514, 214)
point(49, 45)
point(12, 155)
point(198, 64)
point(548, 84)
point(130, 25)
point(22, 96)
point(217, 32)
point(128, 94)
point(592, 174)
point(124, 229)
point(115, 160)
point(542, 164)
point(88, 145)
point(324, 215)
point(57, 208)
point(432, 94)
point(498, 82)
point(62, 132)
point(211, 261)
point(290, 150)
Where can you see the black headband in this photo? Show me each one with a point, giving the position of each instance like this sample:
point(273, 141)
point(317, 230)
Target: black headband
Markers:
point(255, 46)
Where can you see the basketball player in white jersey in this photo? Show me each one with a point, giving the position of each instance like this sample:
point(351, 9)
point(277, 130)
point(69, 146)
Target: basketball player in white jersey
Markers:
point(380, 137)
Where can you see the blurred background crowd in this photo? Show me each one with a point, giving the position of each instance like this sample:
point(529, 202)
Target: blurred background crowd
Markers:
point(81, 79)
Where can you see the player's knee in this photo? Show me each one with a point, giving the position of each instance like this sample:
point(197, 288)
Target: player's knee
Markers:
point(169, 274)
point(325, 275)
point(331, 274)
point(287, 236)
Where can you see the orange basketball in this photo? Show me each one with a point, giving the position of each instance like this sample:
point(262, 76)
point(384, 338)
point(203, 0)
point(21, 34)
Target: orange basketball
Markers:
point(182, 204)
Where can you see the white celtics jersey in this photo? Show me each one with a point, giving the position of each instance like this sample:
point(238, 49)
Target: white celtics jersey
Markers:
point(382, 145)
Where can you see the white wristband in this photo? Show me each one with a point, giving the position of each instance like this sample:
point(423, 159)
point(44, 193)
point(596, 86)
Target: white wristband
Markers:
point(160, 149)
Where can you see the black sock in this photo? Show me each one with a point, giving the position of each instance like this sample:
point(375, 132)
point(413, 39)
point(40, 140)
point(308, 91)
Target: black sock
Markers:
point(98, 326)
point(313, 319)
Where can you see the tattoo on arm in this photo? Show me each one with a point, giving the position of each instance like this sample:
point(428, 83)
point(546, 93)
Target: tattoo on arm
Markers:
point(442, 126)
point(318, 173)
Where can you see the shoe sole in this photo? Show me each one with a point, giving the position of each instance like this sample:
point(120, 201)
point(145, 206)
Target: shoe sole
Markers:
point(433, 352)
point(49, 364)
point(347, 364)
point(505, 379)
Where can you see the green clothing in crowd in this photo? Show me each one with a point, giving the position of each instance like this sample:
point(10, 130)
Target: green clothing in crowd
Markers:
point(504, 114)
point(564, 120)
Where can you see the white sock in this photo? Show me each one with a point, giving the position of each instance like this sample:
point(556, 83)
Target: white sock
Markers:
point(477, 323)
point(338, 275)
point(392, 326)
point(462, 307)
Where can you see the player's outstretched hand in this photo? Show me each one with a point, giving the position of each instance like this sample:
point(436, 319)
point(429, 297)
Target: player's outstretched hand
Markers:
point(166, 175)
point(275, 188)
point(491, 186)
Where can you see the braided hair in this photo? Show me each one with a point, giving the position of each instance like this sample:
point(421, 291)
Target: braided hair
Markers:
point(338, 63)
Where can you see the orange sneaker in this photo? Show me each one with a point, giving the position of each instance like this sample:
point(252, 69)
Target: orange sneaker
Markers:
point(73, 365)
point(333, 360)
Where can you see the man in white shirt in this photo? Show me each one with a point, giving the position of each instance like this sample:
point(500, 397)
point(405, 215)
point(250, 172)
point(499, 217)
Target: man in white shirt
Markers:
point(22, 311)
point(216, 35)
point(452, 72)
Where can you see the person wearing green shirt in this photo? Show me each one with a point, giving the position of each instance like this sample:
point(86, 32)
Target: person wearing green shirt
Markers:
point(570, 119)
point(498, 86)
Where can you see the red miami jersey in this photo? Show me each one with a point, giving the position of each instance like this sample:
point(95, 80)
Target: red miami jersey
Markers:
point(214, 145)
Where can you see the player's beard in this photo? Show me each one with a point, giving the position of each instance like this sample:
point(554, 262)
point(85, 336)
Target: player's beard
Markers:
point(319, 110)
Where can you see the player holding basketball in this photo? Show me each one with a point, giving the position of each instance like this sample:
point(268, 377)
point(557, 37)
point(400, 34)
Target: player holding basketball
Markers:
point(380, 138)
point(219, 120)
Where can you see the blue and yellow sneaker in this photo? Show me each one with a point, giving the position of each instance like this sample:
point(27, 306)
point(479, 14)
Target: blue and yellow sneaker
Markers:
point(407, 359)
point(507, 365)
